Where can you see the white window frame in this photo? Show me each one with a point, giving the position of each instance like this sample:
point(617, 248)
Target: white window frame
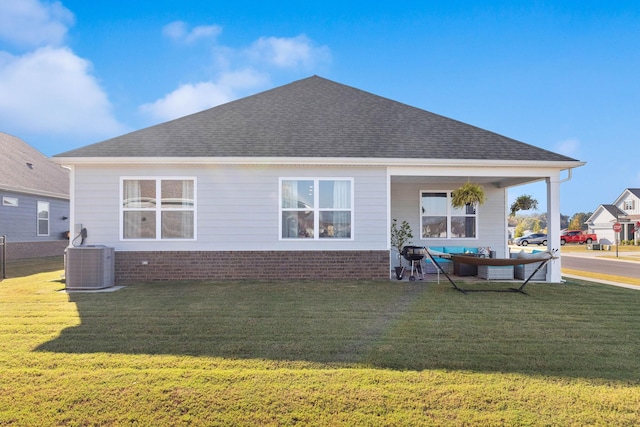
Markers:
point(47, 219)
point(628, 205)
point(10, 201)
point(316, 209)
point(450, 214)
point(158, 207)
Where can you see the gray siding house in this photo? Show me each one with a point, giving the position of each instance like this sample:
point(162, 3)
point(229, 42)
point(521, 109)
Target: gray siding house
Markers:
point(301, 181)
point(34, 201)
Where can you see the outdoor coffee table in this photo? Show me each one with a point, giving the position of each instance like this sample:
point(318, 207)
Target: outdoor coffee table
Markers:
point(462, 269)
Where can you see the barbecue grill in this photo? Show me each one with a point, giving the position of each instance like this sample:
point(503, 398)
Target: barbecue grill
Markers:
point(415, 255)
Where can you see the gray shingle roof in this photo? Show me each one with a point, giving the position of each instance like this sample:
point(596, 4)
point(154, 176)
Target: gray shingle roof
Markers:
point(26, 170)
point(634, 191)
point(316, 118)
point(613, 210)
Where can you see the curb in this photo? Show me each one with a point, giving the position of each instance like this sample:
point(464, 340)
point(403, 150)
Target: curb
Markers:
point(604, 282)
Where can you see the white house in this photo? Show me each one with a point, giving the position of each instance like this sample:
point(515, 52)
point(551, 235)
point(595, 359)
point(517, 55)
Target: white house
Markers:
point(301, 181)
point(624, 210)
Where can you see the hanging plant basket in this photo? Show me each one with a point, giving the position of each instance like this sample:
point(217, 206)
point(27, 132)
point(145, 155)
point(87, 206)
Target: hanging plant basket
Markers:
point(468, 194)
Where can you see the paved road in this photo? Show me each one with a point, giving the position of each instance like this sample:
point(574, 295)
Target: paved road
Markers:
point(601, 265)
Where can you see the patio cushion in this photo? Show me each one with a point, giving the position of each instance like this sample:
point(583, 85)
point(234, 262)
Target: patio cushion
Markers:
point(453, 249)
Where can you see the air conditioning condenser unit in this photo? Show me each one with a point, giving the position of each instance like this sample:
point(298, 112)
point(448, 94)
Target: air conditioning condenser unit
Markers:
point(89, 267)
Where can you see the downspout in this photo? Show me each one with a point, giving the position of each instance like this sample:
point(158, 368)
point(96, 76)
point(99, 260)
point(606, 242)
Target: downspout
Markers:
point(568, 178)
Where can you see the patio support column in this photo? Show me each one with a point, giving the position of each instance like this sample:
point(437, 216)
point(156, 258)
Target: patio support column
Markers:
point(553, 227)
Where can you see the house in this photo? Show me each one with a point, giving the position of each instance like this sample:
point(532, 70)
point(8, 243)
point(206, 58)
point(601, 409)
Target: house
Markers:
point(624, 210)
point(34, 214)
point(301, 181)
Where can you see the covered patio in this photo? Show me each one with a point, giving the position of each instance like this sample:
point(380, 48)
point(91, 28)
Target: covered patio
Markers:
point(420, 195)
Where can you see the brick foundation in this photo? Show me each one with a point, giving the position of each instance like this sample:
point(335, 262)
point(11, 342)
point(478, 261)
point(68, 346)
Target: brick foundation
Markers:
point(133, 267)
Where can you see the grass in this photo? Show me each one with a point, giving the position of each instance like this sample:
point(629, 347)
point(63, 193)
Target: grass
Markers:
point(316, 353)
point(603, 277)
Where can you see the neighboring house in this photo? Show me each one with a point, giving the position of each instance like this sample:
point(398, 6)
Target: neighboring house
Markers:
point(34, 197)
point(301, 181)
point(625, 210)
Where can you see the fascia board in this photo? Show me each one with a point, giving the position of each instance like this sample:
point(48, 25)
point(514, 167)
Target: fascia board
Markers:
point(32, 192)
point(337, 161)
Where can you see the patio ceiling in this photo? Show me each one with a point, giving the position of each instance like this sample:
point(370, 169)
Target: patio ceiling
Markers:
point(496, 181)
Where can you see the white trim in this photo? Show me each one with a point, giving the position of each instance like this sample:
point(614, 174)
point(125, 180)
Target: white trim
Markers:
point(339, 161)
point(48, 219)
point(33, 192)
point(12, 202)
point(388, 211)
point(449, 215)
point(316, 209)
point(158, 208)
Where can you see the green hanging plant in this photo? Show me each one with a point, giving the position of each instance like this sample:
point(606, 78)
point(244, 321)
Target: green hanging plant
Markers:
point(467, 194)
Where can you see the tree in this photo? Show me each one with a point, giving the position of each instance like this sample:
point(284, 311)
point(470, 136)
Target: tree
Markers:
point(536, 226)
point(578, 221)
point(523, 203)
point(400, 235)
point(519, 230)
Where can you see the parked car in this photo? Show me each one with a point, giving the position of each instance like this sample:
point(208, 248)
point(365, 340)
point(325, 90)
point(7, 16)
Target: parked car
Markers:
point(577, 236)
point(537, 238)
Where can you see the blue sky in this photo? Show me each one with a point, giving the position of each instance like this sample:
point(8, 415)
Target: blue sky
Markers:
point(561, 75)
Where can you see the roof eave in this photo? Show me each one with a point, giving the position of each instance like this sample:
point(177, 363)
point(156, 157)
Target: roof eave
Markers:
point(337, 161)
point(33, 192)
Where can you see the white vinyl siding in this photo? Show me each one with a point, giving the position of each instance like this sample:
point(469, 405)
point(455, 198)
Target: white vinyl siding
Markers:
point(237, 207)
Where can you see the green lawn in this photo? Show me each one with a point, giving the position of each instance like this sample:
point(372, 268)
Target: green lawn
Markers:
point(316, 353)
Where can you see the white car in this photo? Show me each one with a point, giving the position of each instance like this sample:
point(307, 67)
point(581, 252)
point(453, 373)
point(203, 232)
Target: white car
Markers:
point(539, 238)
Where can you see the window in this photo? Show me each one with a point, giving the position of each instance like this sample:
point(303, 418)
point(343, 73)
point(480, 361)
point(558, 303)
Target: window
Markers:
point(628, 205)
point(144, 218)
point(43, 218)
point(316, 208)
point(442, 221)
point(10, 201)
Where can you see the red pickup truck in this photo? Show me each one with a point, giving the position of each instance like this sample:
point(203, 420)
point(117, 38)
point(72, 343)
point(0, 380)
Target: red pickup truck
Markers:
point(577, 236)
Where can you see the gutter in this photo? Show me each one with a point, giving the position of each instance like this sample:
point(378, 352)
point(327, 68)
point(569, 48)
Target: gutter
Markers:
point(32, 192)
point(338, 161)
point(568, 178)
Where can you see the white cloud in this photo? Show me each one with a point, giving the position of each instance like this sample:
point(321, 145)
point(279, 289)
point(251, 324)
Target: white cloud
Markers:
point(191, 98)
point(30, 23)
point(48, 90)
point(569, 147)
point(289, 52)
point(238, 70)
point(51, 90)
point(178, 31)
